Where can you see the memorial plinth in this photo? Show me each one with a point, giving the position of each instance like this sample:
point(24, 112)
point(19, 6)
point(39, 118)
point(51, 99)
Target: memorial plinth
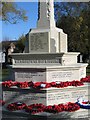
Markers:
point(50, 40)
point(47, 67)
point(49, 96)
point(46, 59)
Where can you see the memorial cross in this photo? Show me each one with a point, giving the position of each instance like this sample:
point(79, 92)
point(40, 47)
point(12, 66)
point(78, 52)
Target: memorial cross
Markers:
point(46, 14)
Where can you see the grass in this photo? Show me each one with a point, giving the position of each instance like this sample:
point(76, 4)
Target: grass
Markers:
point(4, 73)
point(88, 70)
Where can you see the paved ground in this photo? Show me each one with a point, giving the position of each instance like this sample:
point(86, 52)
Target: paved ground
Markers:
point(43, 116)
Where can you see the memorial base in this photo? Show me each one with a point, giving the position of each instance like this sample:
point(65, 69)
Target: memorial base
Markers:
point(49, 73)
point(49, 96)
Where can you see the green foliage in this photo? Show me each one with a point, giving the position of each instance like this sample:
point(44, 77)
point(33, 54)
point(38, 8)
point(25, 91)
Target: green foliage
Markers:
point(20, 44)
point(5, 44)
point(11, 13)
point(73, 18)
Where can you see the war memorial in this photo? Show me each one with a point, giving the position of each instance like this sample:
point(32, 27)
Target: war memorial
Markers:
point(47, 82)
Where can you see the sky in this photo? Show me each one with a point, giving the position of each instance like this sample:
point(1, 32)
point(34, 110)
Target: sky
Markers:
point(14, 31)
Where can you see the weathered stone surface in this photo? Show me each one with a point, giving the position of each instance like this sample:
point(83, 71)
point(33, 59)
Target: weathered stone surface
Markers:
point(45, 59)
point(49, 73)
point(48, 96)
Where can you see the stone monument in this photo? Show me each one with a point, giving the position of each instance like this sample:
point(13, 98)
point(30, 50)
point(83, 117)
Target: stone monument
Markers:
point(46, 38)
point(46, 50)
point(46, 59)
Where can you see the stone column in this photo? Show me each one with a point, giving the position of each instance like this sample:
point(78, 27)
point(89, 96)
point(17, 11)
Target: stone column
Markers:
point(46, 14)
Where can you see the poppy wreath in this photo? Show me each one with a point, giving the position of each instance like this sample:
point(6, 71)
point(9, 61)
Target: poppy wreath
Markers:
point(35, 108)
point(54, 108)
point(16, 106)
point(40, 85)
point(71, 107)
point(76, 83)
point(86, 79)
point(2, 102)
point(60, 84)
point(9, 83)
point(66, 84)
point(30, 84)
point(23, 84)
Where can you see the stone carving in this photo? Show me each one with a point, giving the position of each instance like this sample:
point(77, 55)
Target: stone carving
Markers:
point(29, 75)
point(42, 61)
point(48, 8)
point(62, 95)
point(39, 41)
point(36, 43)
point(27, 97)
point(38, 10)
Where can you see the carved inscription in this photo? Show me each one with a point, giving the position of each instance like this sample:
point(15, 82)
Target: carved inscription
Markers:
point(59, 75)
point(30, 98)
point(38, 61)
point(39, 41)
point(28, 75)
point(37, 76)
point(63, 96)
